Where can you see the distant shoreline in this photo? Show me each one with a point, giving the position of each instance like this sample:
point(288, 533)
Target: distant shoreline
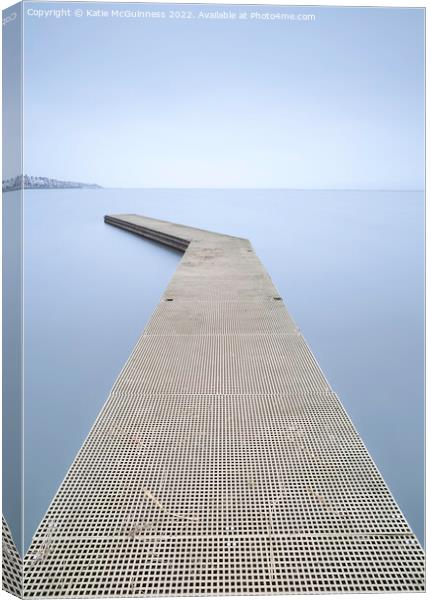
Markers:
point(30, 182)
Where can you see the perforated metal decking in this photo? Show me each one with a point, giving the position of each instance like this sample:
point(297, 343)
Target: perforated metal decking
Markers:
point(12, 564)
point(222, 462)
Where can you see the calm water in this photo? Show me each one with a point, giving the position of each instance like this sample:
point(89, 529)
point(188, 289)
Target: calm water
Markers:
point(349, 265)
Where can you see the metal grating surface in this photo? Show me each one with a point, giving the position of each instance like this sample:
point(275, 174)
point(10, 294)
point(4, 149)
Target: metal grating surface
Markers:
point(222, 461)
point(12, 564)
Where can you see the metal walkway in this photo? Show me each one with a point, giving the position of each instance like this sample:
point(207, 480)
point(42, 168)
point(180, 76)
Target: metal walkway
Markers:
point(222, 462)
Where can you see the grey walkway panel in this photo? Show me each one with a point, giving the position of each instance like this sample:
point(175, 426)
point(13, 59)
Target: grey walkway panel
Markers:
point(12, 564)
point(222, 461)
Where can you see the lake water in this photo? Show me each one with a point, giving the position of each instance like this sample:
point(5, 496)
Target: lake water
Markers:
point(350, 266)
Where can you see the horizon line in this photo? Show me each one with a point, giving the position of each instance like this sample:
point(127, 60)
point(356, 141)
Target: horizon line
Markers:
point(295, 189)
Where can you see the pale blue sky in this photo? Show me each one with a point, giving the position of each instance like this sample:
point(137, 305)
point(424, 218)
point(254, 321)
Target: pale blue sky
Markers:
point(334, 103)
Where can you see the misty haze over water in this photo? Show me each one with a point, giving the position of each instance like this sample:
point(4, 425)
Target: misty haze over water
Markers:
point(348, 264)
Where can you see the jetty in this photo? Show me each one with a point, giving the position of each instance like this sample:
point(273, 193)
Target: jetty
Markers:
point(222, 461)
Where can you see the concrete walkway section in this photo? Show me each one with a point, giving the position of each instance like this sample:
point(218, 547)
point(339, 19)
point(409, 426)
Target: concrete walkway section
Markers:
point(222, 461)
